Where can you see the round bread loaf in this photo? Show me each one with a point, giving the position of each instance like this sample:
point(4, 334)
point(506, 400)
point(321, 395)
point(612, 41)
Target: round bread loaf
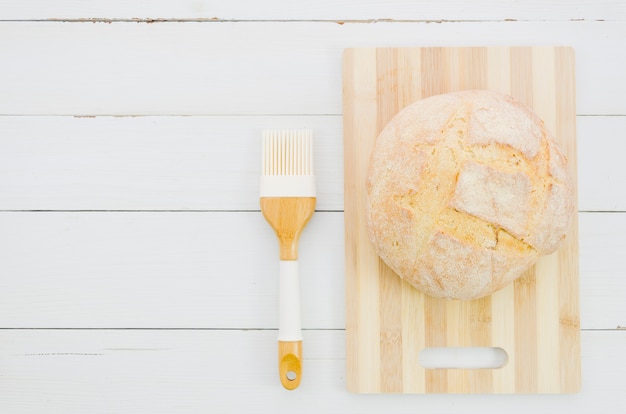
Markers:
point(465, 191)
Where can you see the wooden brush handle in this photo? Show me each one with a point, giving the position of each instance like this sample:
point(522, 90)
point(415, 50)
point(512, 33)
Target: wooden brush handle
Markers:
point(290, 363)
point(288, 216)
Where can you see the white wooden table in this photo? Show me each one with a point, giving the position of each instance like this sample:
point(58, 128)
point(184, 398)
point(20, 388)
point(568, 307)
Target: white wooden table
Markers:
point(137, 274)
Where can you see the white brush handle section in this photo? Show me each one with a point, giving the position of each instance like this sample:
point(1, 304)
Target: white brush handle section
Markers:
point(287, 186)
point(289, 325)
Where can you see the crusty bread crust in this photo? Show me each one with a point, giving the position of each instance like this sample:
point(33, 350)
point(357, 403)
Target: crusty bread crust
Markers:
point(465, 191)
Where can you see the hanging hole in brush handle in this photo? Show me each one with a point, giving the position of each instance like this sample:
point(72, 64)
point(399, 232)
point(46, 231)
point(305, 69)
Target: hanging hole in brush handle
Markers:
point(290, 363)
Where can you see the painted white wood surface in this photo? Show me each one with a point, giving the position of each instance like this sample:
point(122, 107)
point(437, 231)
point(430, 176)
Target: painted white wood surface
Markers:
point(423, 10)
point(152, 163)
point(162, 270)
point(197, 68)
point(172, 237)
point(217, 270)
point(213, 162)
point(229, 372)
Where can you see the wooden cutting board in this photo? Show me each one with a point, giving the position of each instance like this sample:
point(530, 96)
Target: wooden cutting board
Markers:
point(535, 319)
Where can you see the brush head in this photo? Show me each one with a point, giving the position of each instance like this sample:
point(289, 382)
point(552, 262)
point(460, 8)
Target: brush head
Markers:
point(288, 152)
point(287, 164)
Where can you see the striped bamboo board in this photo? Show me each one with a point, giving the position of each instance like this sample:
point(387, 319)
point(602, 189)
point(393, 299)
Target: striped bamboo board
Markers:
point(535, 319)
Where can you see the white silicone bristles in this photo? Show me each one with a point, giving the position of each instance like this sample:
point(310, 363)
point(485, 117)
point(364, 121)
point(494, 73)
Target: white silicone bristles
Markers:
point(288, 152)
point(287, 164)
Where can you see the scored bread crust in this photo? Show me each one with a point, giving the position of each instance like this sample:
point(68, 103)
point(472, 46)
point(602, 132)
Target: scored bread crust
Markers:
point(466, 191)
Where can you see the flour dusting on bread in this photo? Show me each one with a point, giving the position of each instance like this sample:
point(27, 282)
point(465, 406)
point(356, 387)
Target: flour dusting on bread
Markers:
point(466, 191)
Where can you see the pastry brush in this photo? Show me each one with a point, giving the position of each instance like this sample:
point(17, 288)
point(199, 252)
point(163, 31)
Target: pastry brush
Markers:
point(287, 203)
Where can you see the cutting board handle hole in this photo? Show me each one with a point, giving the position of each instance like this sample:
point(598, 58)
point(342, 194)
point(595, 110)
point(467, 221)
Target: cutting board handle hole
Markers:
point(463, 357)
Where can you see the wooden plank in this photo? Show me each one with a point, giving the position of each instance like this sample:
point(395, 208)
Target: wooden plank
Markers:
point(545, 318)
point(483, 10)
point(155, 371)
point(569, 315)
point(118, 269)
point(599, 166)
point(161, 270)
point(601, 247)
point(152, 163)
point(367, 319)
point(204, 68)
